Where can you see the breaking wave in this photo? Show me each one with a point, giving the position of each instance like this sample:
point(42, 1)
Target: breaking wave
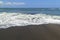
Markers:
point(20, 19)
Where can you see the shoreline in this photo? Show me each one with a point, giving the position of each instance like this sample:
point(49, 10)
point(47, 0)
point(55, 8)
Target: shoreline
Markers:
point(31, 32)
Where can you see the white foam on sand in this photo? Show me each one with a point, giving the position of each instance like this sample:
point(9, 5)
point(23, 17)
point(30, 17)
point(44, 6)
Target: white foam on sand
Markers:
point(19, 19)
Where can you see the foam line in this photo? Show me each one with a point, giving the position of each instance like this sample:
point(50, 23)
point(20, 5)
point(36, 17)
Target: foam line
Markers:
point(19, 19)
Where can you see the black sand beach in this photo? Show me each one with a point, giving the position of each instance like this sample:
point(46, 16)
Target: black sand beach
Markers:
point(31, 32)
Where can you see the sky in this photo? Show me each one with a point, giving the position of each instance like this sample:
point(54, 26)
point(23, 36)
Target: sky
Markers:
point(29, 3)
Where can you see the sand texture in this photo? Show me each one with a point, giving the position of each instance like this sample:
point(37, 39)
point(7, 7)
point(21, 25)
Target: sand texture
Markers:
point(31, 32)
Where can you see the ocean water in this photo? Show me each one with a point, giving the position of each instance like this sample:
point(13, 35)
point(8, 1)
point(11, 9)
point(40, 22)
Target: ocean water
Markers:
point(28, 16)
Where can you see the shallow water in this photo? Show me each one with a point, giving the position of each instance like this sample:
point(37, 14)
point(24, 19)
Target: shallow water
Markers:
point(28, 16)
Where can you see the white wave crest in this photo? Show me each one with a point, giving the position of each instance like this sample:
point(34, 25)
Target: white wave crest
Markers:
point(19, 19)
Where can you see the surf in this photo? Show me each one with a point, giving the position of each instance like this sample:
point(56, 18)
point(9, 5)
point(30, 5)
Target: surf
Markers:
point(20, 19)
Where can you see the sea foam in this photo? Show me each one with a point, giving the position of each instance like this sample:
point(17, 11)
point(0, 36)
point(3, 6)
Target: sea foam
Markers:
point(20, 19)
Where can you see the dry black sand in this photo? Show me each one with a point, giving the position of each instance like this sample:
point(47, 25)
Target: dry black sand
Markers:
point(32, 32)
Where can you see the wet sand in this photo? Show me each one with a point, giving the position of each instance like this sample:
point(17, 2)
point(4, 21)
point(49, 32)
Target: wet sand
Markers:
point(31, 32)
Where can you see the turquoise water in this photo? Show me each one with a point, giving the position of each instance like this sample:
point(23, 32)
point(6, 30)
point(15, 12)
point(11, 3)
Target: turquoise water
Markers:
point(51, 11)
